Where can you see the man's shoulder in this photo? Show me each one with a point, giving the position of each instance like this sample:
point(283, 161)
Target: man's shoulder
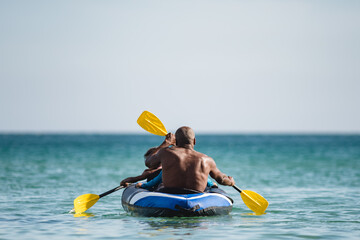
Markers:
point(202, 155)
point(182, 151)
point(206, 159)
point(168, 150)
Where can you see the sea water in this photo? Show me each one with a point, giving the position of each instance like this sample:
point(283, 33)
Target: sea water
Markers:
point(312, 184)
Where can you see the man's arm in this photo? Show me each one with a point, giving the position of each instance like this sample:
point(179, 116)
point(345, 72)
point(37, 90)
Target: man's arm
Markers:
point(220, 177)
point(153, 161)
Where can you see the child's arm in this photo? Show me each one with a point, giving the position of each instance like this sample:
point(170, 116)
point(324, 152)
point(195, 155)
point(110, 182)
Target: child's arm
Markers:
point(143, 176)
point(156, 181)
point(210, 183)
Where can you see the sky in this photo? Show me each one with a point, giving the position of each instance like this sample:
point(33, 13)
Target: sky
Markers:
point(223, 66)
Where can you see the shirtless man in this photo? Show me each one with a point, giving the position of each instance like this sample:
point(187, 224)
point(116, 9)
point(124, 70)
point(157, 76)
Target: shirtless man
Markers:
point(182, 166)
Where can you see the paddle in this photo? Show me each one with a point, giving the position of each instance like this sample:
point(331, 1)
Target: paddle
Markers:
point(252, 200)
point(149, 122)
point(86, 201)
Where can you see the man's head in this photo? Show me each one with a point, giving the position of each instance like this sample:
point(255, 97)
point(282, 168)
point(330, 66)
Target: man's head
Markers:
point(185, 136)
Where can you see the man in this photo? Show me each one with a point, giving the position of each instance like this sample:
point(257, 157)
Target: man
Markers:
point(182, 166)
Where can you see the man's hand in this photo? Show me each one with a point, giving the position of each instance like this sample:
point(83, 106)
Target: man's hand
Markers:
point(170, 139)
point(230, 180)
point(125, 182)
point(225, 180)
point(138, 185)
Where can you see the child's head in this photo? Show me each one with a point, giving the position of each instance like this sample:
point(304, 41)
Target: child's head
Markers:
point(149, 152)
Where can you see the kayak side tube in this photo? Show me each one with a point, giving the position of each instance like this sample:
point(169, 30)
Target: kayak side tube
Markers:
point(142, 202)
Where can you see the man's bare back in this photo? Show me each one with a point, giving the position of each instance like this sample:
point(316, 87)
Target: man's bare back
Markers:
point(183, 167)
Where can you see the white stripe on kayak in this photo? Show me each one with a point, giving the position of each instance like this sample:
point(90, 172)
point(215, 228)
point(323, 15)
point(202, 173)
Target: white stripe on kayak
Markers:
point(141, 195)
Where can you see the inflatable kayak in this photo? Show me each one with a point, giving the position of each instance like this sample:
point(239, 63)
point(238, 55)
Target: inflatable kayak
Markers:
point(142, 202)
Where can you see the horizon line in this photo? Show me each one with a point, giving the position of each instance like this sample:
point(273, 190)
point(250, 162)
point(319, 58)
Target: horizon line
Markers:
point(197, 133)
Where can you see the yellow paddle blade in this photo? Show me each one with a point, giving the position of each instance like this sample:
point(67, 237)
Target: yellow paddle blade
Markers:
point(84, 202)
point(254, 201)
point(151, 123)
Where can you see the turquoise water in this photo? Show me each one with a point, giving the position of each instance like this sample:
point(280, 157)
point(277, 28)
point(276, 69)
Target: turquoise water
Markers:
point(311, 182)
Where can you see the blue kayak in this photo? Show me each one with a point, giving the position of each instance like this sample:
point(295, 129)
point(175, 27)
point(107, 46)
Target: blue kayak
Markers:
point(142, 202)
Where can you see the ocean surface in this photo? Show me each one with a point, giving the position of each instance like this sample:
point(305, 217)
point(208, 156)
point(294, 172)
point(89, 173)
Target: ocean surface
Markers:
point(312, 184)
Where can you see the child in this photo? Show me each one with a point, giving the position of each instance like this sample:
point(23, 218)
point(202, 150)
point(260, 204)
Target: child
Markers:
point(148, 174)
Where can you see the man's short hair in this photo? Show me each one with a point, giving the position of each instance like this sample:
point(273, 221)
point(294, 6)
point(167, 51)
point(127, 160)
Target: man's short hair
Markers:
point(184, 135)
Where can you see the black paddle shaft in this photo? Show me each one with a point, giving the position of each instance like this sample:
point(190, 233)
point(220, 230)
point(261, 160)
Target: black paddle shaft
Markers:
point(238, 189)
point(110, 191)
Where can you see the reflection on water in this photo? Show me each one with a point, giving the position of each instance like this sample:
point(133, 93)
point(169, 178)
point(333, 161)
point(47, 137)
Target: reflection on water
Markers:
point(175, 226)
point(86, 215)
point(176, 223)
point(252, 214)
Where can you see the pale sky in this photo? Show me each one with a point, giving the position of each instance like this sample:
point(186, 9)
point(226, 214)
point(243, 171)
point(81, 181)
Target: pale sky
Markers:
point(217, 66)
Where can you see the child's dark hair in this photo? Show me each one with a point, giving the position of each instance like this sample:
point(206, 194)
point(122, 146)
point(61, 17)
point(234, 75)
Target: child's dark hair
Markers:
point(149, 152)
